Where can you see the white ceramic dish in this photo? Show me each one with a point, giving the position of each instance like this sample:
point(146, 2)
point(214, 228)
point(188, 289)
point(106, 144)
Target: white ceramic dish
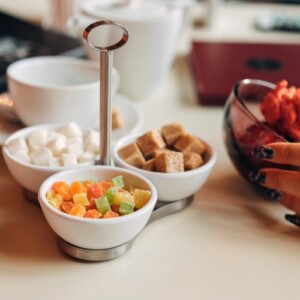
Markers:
point(31, 176)
point(170, 186)
point(56, 89)
point(131, 115)
point(97, 233)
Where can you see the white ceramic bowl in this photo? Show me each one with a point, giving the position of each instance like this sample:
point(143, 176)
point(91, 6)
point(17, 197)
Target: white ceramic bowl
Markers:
point(31, 176)
point(171, 186)
point(97, 233)
point(53, 89)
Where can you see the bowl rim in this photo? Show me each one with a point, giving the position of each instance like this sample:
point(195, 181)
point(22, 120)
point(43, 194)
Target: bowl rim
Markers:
point(44, 203)
point(246, 109)
point(23, 132)
point(12, 71)
point(130, 138)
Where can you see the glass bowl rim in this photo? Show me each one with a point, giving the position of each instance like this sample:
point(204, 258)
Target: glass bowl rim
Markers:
point(246, 109)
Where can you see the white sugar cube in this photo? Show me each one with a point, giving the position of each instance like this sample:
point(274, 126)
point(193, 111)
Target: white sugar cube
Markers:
point(69, 159)
point(74, 148)
point(54, 162)
point(87, 156)
point(16, 145)
point(41, 157)
point(57, 145)
point(37, 139)
point(22, 156)
point(92, 142)
point(78, 139)
point(52, 135)
point(71, 130)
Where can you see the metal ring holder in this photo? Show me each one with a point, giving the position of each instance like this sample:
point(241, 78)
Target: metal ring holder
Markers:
point(161, 209)
point(106, 59)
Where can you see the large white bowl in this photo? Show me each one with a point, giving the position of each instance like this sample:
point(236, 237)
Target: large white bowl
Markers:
point(28, 175)
point(97, 233)
point(54, 89)
point(170, 186)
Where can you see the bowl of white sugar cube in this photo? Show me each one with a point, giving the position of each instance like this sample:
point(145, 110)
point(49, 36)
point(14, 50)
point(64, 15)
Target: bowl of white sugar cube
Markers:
point(34, 153)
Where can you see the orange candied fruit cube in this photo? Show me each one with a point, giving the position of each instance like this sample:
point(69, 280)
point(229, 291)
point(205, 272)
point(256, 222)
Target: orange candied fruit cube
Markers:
point(77, 210)
point(87, 183)
point(95, 190)
point(66, 206)
point(63, 189)
point(93, 214)
point(92, 204)
point(106, 185)
point(77, 188)
point(111, 214)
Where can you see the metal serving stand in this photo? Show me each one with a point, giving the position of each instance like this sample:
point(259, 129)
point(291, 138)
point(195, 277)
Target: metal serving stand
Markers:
point(161, 209)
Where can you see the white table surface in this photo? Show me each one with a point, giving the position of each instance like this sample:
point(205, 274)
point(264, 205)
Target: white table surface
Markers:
point(229, 244)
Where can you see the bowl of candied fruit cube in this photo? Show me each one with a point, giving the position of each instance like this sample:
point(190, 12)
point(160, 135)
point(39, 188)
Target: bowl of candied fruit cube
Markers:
point(97, 207)
point(176, 162)
point(257, 113)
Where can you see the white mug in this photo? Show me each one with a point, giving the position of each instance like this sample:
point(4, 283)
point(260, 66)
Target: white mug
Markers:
point(147, 57)
point(56, 89)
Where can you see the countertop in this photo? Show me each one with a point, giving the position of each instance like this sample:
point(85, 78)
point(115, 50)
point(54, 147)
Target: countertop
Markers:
point(228, 244)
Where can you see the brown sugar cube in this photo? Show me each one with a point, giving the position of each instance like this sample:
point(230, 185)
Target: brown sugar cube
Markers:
point(151, 141)
point(116, 121)
point(172, 132)
point(160, 151)
point(189, 143)
point(169, 162)
point(192, 160)
point(149, 165)
point(132, 155)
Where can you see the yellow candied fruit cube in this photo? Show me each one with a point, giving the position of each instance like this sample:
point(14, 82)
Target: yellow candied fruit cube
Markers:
point(55, 200)
point(81, 199)
point(122, 197)
point(50, 194)
point(141, 197)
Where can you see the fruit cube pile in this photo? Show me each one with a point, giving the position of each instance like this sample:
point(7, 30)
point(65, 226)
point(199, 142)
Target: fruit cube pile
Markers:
point(97, 199)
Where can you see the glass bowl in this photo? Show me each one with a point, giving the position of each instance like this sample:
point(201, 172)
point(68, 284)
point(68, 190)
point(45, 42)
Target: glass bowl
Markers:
point(244, 128)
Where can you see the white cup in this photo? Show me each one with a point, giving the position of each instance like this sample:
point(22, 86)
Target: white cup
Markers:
point(56, 89)
point(147, 57)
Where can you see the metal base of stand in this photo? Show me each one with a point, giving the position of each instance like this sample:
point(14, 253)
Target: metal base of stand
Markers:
point(161, 210)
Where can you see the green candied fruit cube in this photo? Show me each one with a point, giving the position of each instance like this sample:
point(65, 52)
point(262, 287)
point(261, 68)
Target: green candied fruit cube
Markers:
point(118, 181)
point(126, 208)
point(102, 205)
point(110, 194)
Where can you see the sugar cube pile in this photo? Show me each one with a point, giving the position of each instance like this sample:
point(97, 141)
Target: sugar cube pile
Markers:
point(66, 146)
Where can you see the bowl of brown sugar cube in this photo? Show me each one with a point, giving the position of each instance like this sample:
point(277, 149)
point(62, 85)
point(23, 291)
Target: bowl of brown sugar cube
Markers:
point(175, 161)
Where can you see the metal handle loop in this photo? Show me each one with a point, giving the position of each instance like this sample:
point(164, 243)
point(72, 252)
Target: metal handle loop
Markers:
point(94, 25)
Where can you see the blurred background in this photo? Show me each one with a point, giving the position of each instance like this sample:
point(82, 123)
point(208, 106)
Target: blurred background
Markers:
point(37, 10)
